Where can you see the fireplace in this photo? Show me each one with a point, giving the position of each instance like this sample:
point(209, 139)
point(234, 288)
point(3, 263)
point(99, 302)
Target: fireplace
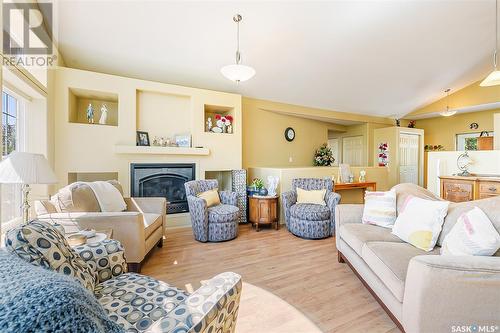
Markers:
point(162, 180)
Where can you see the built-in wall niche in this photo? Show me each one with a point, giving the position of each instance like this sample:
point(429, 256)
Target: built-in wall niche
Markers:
point(212, 112)
point(163, 115)
point(101, 102)
point(223, 178)
point(91, 176)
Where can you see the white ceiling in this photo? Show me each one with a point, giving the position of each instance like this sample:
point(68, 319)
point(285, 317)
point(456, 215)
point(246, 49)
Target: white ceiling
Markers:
point(372, 57)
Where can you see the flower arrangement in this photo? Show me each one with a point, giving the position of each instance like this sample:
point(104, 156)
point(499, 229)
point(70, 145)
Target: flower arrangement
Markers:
point(323, 156)
point(223, 124)
point(383, 154)
point(433, 148)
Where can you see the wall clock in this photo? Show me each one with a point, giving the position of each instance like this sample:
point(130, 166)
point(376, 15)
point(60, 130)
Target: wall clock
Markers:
point(289, 134)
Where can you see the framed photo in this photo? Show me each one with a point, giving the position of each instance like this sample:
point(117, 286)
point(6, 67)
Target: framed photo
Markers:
point(142, 139)
point(183, 141)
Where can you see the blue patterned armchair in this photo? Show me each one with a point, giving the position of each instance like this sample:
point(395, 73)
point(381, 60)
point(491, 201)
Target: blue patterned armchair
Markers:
point(212, 224)
point(309, 220)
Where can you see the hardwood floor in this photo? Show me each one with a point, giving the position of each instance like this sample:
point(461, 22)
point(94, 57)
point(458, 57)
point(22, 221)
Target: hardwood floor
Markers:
point(304, 273)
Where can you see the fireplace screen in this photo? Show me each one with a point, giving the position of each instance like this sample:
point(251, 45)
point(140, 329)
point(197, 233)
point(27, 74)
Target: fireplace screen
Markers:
point(162, 180)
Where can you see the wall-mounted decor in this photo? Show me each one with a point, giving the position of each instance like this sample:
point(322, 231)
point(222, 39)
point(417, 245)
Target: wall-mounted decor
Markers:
point(183, 140)
point(142, 139)
point(474, 126)
point(289, 134)
point(383, 154)
point(323, 156)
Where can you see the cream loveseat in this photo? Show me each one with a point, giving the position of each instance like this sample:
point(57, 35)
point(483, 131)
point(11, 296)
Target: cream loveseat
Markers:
point(138, 229)
point(423, 291)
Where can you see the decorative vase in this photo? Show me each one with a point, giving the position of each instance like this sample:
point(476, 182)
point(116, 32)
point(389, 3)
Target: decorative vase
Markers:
point(263, 191)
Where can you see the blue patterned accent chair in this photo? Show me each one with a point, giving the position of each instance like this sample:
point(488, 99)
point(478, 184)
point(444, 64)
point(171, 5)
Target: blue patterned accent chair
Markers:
point(135, 302)
point(212, 224)
point(309, 220)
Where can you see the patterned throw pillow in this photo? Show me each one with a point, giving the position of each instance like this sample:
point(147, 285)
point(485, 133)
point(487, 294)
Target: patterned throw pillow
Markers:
point(472, 235)
point(419, 222)
point(380, 208)
point(40, 244)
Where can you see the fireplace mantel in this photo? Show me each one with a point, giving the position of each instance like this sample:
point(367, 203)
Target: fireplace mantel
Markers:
point(152, 150)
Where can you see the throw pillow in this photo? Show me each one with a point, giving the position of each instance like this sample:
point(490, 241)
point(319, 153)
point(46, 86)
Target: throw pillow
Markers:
point(40, 244)
point(34, 299)
point(419, 222)
point(316, 197)
point(472, 235)
point(380, 208)
point(210, 196)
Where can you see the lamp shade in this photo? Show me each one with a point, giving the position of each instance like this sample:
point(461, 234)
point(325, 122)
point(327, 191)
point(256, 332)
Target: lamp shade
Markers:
point(26, 168)
point(491, 80)
point(237, 72)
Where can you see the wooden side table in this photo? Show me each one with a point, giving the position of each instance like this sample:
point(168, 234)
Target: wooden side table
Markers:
point(263, 210)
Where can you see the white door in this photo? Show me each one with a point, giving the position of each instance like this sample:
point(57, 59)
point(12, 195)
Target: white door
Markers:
point(408, 158)
point(352, 150)
point(333, 144)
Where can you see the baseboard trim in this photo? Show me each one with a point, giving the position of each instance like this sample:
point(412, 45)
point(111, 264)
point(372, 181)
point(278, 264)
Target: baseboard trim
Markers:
point(342, 258)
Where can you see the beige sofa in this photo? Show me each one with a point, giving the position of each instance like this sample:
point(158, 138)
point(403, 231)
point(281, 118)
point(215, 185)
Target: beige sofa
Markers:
point(139, 228)
point(422, 291)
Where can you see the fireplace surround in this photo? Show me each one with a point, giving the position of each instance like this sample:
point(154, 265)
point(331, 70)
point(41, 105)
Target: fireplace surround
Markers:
point(162, 180)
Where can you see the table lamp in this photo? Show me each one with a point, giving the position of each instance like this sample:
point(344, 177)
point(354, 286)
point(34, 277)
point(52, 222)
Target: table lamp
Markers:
point(26, 168)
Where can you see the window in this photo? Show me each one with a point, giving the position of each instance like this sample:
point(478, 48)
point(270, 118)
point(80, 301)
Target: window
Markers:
point(468, 141)
point(11, 125)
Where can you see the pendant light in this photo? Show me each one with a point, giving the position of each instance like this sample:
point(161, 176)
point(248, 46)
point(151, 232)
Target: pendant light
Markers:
point(494, 78)
point(238, 72)
point(448, 112)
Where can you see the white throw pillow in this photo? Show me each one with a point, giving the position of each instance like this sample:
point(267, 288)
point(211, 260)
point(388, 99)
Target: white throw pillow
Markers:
point(472, 235)
point(419, 222)
point(380, 208)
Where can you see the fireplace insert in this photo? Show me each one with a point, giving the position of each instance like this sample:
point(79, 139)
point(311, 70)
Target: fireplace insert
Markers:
point(162, 180)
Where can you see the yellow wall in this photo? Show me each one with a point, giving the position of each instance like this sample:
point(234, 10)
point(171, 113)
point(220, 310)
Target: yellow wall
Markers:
point(442, 130)
point(471, 95)
point(264, 123)
point(264, 143)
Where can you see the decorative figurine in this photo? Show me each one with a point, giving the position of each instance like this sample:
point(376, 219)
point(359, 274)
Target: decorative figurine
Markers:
point(362, 176)
point(209, 124)
point(104, 115)
point(230, 129)
point(411, 124)
point(398, 122)
point(90, 114)
point(272, 185)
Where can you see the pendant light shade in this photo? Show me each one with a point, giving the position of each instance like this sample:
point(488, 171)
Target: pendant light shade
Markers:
point(448, 112)
point(238, 72)
point(494, 78)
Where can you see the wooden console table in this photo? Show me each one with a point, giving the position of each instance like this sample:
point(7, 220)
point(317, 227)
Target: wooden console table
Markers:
point(355, 186)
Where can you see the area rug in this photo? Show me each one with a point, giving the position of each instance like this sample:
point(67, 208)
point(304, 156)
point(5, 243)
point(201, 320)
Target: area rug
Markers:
point(262, 311)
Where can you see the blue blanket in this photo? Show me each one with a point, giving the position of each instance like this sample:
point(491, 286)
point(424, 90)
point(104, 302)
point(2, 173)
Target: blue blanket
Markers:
point(34, 299)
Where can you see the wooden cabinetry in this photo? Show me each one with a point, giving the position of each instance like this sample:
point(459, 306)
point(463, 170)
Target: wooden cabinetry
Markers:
point(263, 211)
point(460, 189)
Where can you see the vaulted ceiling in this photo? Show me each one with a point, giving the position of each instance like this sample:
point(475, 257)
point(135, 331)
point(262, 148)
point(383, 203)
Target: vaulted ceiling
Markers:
point(373, 57)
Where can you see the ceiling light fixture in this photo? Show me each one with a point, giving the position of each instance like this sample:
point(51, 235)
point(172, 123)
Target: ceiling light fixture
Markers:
point(238, 72)
point(494, 78)
point(448, 112)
